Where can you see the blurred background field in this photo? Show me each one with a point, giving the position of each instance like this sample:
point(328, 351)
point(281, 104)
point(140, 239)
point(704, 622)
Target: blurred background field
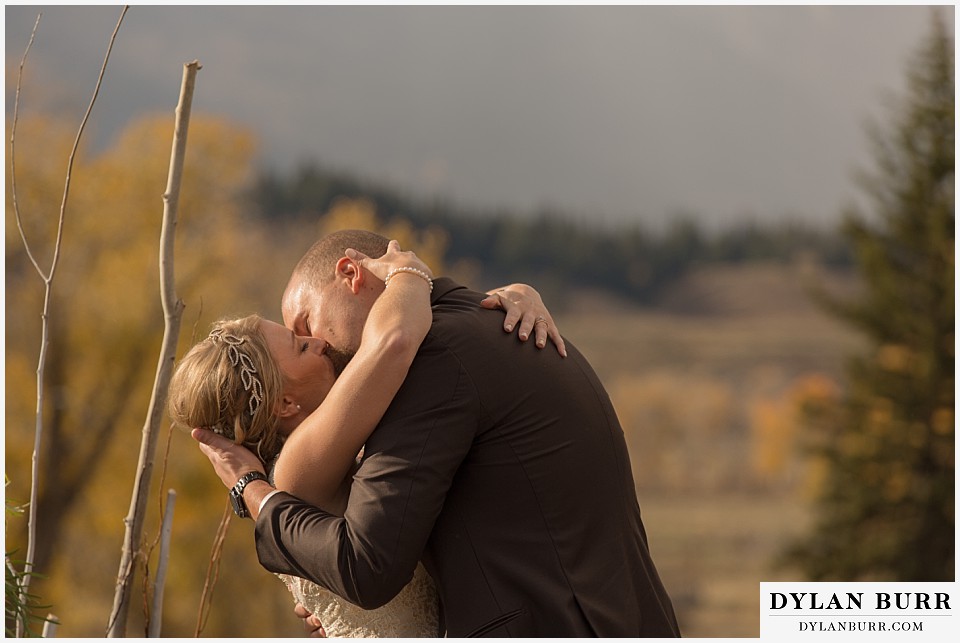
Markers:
point(707, 388)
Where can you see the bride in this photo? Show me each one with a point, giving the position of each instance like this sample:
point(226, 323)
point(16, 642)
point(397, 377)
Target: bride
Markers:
point(293, 402)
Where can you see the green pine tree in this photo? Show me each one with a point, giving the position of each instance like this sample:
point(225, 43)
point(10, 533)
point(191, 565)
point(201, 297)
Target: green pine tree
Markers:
point(886, 508)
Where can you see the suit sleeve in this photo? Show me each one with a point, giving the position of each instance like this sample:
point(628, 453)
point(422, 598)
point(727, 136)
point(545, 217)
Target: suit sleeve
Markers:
point(369, 554)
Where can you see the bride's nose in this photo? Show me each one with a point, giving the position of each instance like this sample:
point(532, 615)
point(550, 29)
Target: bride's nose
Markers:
point(320, 345)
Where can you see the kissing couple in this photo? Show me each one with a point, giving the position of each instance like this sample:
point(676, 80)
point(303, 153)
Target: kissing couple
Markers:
point(415, 471)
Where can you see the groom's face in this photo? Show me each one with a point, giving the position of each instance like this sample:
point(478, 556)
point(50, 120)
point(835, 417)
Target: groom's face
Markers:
point(328, 312)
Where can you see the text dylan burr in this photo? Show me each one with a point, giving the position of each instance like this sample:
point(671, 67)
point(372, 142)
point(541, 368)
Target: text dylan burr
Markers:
point(855, 601)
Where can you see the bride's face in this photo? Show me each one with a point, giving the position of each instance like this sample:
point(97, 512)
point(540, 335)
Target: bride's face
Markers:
point(303, 362)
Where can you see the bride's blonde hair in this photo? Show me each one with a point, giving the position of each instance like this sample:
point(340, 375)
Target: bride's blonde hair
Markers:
point(229, 383)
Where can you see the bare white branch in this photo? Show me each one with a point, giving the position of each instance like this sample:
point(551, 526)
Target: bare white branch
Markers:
point(13, 155)
point(156, 613)
point(172, 311)
point(48, 285)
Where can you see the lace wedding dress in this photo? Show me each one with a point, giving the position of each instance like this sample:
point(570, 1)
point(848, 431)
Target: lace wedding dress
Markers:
point(413, 613)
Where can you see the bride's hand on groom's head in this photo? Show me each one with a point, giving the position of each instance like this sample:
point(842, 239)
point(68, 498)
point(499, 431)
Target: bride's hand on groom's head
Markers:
point(229, 460)
point(393, 259)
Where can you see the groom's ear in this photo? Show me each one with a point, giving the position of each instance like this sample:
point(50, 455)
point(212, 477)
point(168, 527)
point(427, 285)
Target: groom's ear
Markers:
point(350, 272)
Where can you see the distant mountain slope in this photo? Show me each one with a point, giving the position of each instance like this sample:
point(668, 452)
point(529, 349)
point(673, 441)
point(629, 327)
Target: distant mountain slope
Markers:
point(752, 288)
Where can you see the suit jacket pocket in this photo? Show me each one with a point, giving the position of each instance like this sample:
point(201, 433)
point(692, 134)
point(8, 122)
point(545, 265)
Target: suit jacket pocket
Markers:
point(499, 621)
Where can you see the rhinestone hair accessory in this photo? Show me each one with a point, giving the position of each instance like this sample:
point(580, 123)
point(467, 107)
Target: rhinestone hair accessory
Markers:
point(242, 361)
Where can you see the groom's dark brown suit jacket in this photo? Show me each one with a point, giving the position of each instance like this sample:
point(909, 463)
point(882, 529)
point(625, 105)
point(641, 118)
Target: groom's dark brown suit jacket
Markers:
point(502, 467)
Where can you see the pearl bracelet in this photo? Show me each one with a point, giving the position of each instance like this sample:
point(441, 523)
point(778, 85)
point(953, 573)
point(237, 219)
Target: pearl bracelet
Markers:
point(411, 270)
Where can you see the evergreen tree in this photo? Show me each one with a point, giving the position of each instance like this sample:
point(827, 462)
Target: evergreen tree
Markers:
point(886, 505)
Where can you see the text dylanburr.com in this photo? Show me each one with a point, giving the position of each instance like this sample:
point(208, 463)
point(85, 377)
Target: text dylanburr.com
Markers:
point(863, 611)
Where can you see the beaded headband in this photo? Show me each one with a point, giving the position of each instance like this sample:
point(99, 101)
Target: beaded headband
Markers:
point(239, 359)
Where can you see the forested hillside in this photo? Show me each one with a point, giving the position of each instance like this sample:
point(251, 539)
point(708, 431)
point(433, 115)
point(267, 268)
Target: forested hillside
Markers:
point(553, 249)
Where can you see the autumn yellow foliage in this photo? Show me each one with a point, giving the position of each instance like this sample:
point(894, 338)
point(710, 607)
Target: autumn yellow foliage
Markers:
point(106, 325)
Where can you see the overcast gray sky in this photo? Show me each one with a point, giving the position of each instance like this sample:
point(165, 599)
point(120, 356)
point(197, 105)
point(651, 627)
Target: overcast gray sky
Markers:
point(619, 112)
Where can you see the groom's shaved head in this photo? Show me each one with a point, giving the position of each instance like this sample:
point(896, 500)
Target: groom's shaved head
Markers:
point(316, 266)
point(316, 304)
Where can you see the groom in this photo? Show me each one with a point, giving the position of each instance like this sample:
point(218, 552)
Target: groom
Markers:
point(503, 468)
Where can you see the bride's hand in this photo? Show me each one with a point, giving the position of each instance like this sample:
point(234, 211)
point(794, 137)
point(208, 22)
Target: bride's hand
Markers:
point(523, 303)
point(393, 259)
point(311, 624)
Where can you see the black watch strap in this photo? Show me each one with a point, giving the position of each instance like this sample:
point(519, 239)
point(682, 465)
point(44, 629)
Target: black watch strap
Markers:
point(236, 493)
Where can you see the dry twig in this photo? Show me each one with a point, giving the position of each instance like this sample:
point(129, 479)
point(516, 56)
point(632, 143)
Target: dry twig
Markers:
point(47, 278)
point(213, 570)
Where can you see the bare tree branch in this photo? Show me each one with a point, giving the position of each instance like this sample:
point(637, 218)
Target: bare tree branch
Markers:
point(213, 570)
point(172, 310)
point(13, 156)
point(156, 613)
point(48, 283)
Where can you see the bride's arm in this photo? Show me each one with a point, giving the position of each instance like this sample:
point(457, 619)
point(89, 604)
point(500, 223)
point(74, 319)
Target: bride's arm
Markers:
point(314, 463)
point(319, 454)
point(367, 386)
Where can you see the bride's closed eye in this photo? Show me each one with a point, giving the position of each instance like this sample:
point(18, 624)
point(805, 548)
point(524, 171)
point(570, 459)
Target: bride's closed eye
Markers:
point(304, 346)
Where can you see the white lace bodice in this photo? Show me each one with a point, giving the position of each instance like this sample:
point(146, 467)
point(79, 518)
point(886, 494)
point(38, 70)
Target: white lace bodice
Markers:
point(413, 613)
